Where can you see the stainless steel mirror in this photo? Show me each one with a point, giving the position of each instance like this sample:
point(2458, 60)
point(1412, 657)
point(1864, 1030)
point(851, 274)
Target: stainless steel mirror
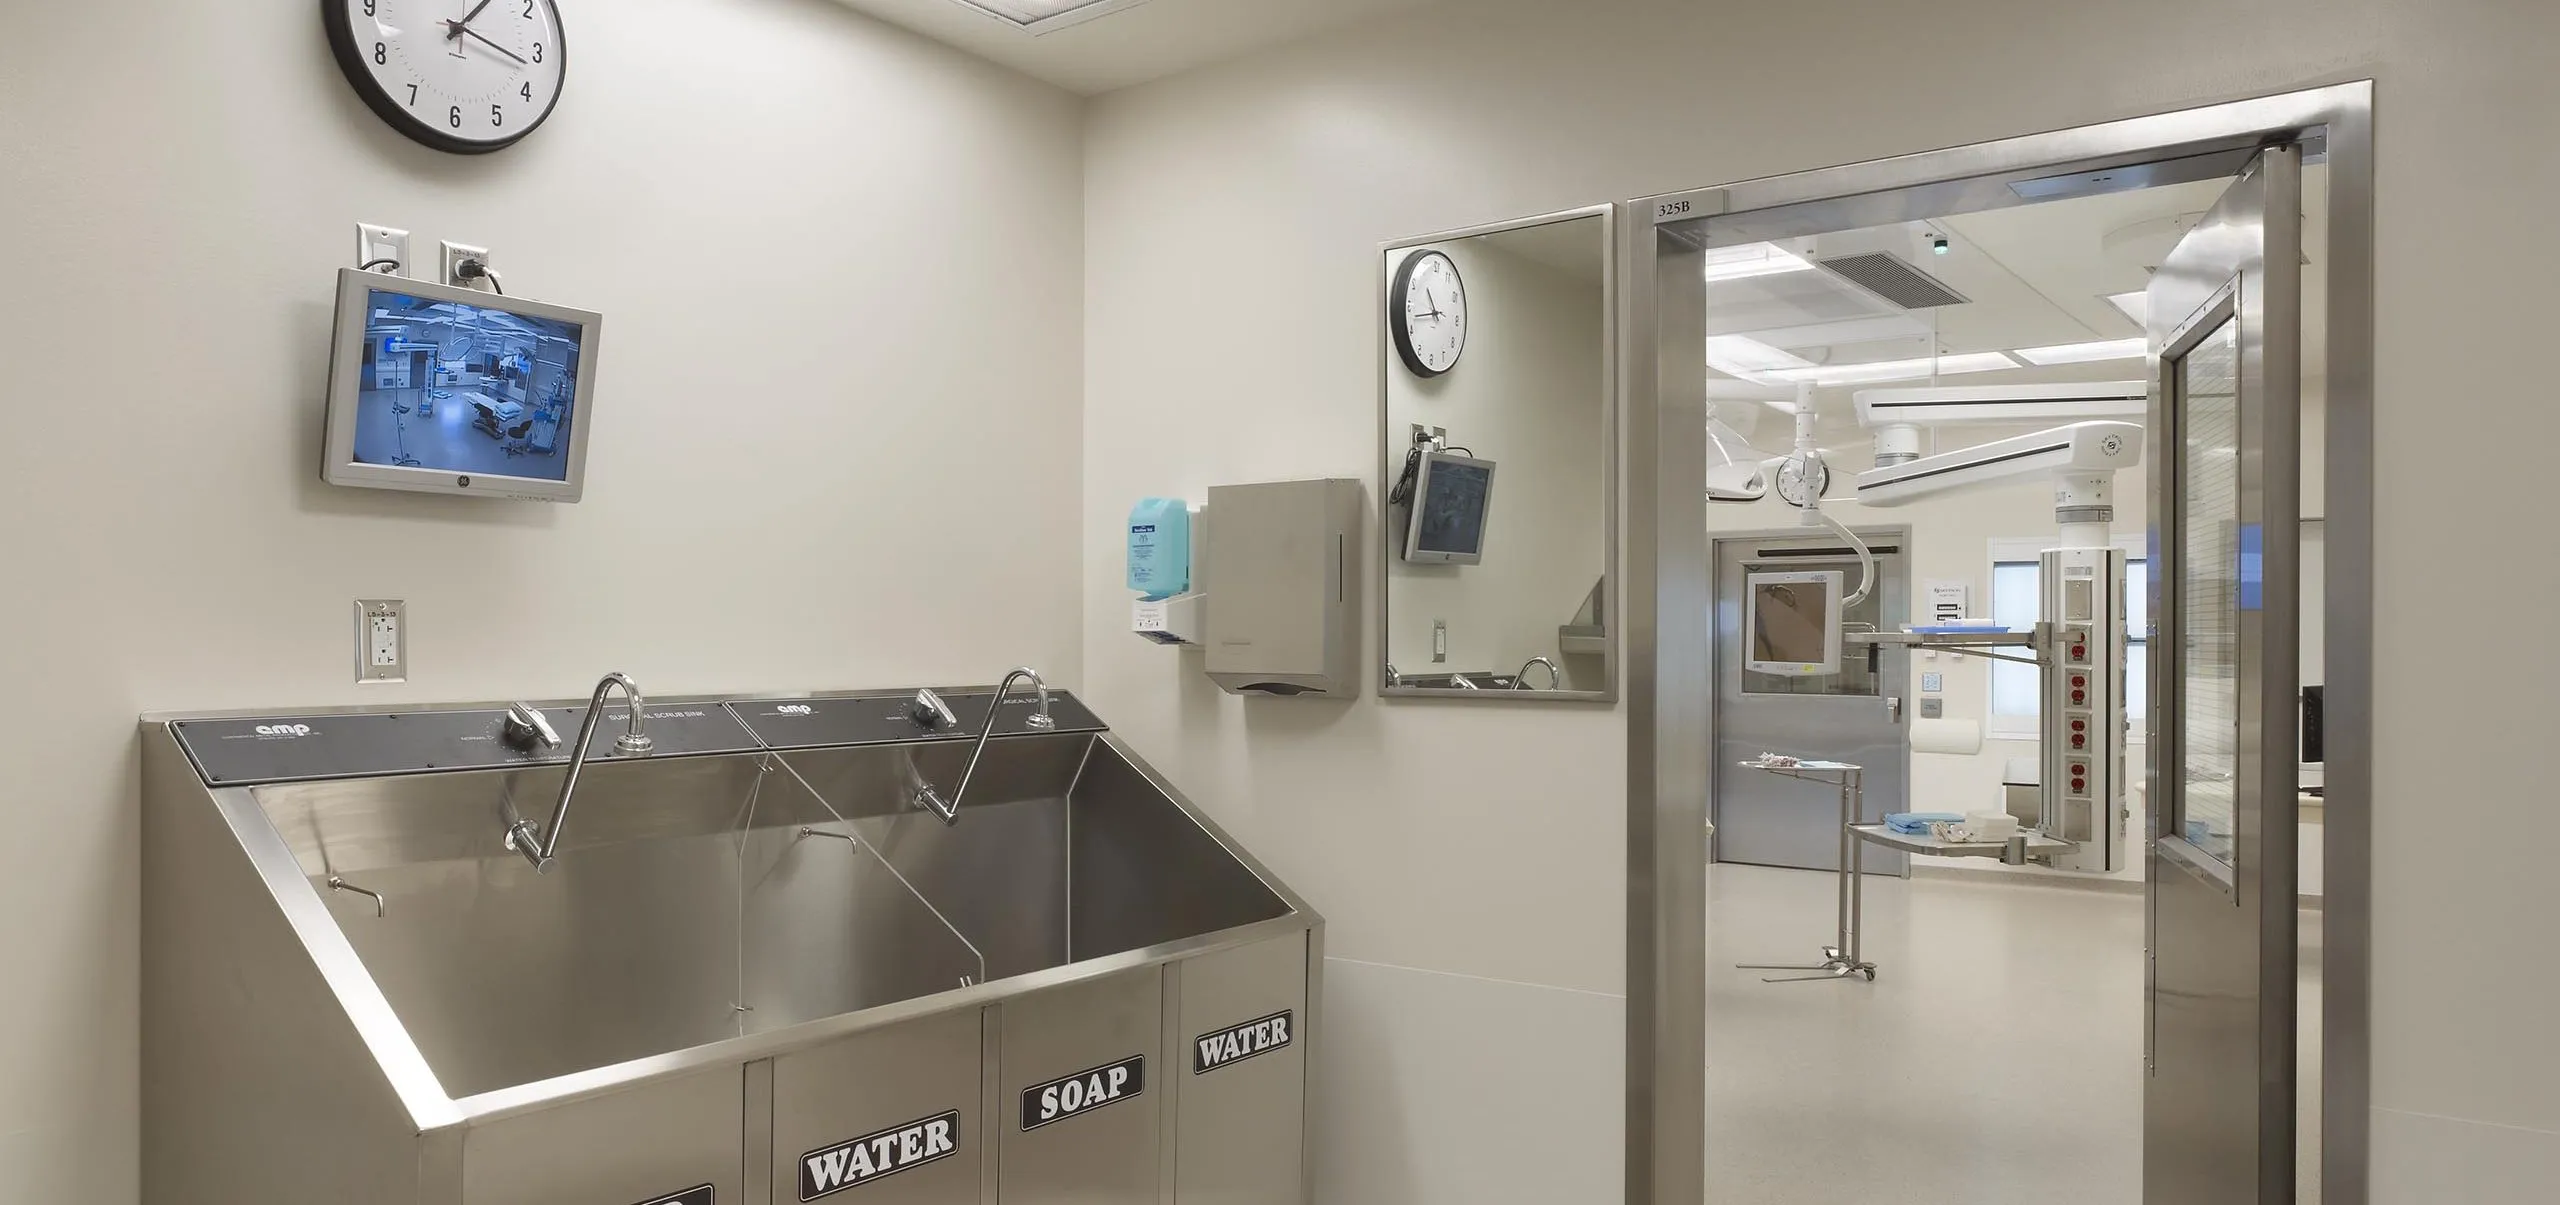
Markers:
point(1497, 402)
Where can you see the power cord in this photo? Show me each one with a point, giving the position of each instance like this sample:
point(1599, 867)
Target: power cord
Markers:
point(388, 265)
point(472, 269)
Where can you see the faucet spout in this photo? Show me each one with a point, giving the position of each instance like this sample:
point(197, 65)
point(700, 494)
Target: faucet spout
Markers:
point(540, 846)
point(931, 800)
point(1555, 677)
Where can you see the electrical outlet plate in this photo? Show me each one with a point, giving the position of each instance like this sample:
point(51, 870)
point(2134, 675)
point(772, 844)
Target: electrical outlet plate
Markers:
point(382, 640)
point(454, 254)
point(375, 243)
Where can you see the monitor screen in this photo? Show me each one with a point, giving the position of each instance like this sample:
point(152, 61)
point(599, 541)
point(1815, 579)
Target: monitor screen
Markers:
point(456, 390)
point(1795, 623)
point(1452, 500)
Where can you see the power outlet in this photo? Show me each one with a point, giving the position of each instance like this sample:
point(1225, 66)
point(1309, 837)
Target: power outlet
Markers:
point(382, 640)
point(454, 254)
point(377, 243)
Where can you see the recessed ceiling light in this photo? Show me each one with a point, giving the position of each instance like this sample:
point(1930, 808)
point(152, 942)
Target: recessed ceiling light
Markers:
point(2086, 353)
point(2135, 305)
point(1748, 358)
point(1897, 370)
point(1040, 16)
point(1752, 259)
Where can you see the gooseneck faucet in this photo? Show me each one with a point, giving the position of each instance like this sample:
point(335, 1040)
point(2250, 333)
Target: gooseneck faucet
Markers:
point(934, 713)
point(523, 722)
point(1555, 677)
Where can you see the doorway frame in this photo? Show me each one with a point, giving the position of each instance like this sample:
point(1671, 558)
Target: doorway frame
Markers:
point(1667, 573)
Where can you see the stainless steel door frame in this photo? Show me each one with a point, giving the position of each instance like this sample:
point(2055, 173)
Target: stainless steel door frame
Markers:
point(1767, 820)
point(2226, 328)
point(1666, 573)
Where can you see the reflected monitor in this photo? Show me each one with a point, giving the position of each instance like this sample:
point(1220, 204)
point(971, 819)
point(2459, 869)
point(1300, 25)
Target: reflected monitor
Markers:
point(1793, 621)
point(456, 391)
point(1452, 497)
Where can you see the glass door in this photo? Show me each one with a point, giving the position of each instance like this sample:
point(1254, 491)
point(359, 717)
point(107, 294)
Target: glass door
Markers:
point(2226, 322)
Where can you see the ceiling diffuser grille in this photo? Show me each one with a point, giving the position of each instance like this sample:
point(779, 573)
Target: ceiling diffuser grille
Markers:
point(1891, 277)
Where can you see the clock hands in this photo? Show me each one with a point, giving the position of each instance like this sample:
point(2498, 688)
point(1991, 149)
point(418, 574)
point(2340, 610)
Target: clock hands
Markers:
point(460, 29)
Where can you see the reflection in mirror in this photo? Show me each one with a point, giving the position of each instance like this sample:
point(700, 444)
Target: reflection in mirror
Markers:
point(1496, 453)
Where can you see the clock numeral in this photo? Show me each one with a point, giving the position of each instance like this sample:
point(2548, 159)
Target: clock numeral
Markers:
point(497, 115)
point(413, 96)
point(370, 6)
point(526, 91)
point(537, 52)
point(381, 54)
point(454, 118)
point(528, 8)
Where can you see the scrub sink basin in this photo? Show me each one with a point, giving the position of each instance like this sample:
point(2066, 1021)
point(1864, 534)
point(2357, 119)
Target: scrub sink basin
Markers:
point(353, 957)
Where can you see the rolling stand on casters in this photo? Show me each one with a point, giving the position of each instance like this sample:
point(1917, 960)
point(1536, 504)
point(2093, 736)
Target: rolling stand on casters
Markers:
point(1840, 960)
point(400, 426)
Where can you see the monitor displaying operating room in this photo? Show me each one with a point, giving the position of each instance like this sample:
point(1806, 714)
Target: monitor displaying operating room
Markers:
point(1795, 623)
point(1453, 496)
point(456, 390)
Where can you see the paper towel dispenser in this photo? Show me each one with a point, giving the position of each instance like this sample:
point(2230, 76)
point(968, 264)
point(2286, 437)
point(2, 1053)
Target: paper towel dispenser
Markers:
point(1284, 557)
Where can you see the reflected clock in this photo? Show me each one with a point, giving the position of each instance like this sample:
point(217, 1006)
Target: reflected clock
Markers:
point(464, 76)
point(1802, 479)
point(1427, 313)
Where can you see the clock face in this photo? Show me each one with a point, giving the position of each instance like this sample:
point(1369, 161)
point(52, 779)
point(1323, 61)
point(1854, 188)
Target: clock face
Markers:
point(468, 76)
point(1427, 311)
point(1800, 482)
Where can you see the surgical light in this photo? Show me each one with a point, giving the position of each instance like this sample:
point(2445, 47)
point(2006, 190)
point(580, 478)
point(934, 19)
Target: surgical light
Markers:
point(2086, 353)
point(1752, 259)
point(1897, 370)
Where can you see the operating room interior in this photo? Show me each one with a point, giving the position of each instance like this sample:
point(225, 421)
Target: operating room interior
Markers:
point(1820, 1091)
point(1276, 602)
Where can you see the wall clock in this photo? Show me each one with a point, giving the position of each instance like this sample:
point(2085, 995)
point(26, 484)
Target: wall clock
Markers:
point(465, 76)
point(1427, 313)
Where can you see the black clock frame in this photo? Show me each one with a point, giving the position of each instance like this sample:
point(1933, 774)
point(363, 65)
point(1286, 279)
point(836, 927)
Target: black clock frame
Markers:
point(1396, 320)
point(1821, 486)
point(344, 46)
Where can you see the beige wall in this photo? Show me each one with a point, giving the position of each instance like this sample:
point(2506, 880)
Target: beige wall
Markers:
point(829, 441)
point(1471, 860)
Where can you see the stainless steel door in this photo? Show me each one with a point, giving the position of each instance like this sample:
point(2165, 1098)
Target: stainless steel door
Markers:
point(1856, 716)
point(2226, 331)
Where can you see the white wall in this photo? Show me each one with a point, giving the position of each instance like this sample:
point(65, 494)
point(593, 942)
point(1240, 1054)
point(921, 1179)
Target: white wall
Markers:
point(829, 446)
point(1527, 395)
point(1471, 859)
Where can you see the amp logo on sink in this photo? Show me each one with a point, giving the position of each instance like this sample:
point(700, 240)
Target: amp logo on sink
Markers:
point(833, 1169)
point(795, 709)
point(1083, 1092)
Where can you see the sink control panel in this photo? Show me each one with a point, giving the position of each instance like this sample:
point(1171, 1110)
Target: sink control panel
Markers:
point(803, 723)
point(269, 749)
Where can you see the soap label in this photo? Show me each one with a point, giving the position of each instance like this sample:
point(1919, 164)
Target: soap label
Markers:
point(1083, 1092)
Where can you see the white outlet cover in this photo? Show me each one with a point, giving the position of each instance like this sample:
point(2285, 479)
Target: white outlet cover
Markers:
point(382, 242)
point(455, 253)
point(382, 640)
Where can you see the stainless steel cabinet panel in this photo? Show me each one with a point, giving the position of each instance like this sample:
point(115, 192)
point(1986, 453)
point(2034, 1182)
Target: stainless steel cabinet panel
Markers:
point(1077, 1093)
point(889, 1117)
point(1237, 1081)
point(643, 1144)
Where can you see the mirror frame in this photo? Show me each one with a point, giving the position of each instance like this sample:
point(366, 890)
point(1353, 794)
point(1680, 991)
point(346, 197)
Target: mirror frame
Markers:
point(1390, 462)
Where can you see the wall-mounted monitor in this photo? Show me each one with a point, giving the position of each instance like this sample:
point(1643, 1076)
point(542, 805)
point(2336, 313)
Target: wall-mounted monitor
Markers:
point(456, 391)
point(1452, 496)
point(1794, 623)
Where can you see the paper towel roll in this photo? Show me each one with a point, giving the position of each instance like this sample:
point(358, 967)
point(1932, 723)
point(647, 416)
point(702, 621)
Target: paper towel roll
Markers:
point(1946, 736)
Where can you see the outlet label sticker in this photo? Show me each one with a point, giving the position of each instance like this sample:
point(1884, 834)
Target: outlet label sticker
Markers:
point(1083, 1092)
point(832, 1169)
point(1236, 1043)
point(700, 1194)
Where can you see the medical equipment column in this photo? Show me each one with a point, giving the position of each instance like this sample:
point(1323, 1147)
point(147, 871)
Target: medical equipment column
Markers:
point(1842, 960)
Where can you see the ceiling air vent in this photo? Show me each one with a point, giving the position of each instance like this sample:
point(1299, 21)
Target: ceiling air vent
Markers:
point(1891, 277)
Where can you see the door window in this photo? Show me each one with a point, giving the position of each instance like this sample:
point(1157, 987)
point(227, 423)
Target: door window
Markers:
point(2210, 588)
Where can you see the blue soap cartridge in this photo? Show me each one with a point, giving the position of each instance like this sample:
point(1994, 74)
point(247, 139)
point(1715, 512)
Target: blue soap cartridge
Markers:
point(1160, 547)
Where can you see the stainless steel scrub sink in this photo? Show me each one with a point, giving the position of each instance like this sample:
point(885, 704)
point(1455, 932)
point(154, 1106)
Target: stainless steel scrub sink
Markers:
point(755, 968)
